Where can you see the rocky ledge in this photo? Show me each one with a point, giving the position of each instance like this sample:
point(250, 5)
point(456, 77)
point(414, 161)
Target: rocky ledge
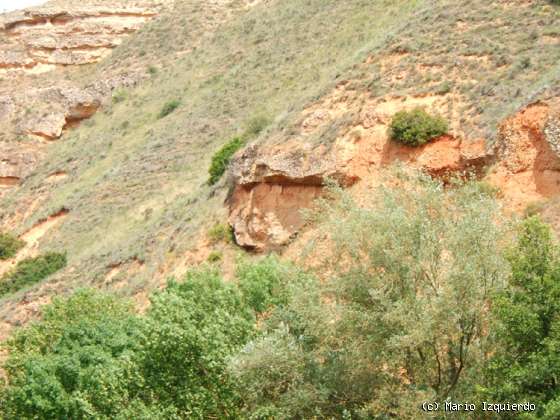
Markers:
point(43, 38)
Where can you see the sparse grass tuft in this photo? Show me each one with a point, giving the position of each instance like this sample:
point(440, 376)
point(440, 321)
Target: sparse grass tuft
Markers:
point(256, 126)
point(416, 127)
point(120, 95)
point(9, 245)
point(169, 107)
point(31, 271)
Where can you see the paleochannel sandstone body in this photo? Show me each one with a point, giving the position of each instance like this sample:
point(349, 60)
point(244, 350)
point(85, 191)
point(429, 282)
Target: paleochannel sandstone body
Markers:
point(37, 46)
point(273, 184)
point(43, 38)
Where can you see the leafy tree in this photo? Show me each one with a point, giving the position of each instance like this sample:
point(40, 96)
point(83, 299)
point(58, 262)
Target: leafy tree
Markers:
point(263, 283)
point(76, 363)
point(526, 364)
point(192, 328)
point(92, 357)
point(403, 318)
point(416, 127)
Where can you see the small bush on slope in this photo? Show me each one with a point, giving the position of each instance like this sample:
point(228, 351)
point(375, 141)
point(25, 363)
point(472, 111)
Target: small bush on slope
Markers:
point(416, 127)
point(169, 107)
point(221, 158)
point(9, 245)
point(31, 271)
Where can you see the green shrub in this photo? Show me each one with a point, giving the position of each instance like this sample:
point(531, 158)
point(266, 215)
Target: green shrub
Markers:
point(221, 158)
point(215, 256)
point(193, 328)
point(220, 232)
point(416, 127)
point(9, 245)
point(31, 271)
point(74, 363)
point(169, 107)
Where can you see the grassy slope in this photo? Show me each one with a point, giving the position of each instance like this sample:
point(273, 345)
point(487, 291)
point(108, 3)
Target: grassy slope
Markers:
point(136, 185)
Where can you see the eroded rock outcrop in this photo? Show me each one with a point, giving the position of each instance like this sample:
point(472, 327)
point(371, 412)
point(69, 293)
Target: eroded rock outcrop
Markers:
point(16, 162)
point(527, 167)
point(273, 183)
point(42, 38)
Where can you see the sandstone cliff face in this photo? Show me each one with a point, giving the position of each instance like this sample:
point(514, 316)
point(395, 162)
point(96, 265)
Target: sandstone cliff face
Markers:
point(274, 183)
point(527, 168)
point(43, 38)
point(47, 39)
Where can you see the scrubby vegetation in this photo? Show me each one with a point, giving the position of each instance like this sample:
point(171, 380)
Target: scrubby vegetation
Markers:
point(220, 232)
point(169, 107)
point(221, 158)
point(30, 271)
point(426, 298)
point(416, 127)
point(9, 245)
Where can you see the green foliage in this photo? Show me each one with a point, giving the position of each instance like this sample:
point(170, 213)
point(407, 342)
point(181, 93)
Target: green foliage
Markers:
point(527, 329)
point(416, 127)
point(411, 281)
point(192, 328)
point(215, 256)
point(220, 232)
point(262, 283)
point(169, 107)
point(31, 271)
point(92, 357)
point(9, 245)
point(221, 158)
point(75, 363)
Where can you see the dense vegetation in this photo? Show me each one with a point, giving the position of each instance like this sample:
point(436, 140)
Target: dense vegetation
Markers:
point(416, 127)
point(30, 271)
point(429, 296)
point(9, 245)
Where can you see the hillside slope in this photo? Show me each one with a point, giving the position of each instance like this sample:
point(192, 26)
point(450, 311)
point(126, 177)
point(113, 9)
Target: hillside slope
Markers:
point(125, 192)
